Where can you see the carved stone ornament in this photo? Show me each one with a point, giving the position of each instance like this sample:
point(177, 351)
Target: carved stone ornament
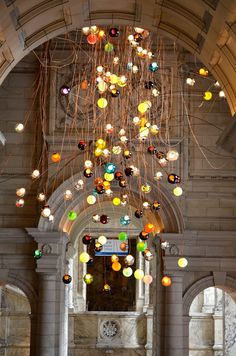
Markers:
point(109, 329)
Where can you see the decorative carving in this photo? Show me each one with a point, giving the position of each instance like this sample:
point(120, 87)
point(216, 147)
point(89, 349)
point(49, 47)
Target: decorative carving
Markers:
point(109, 329)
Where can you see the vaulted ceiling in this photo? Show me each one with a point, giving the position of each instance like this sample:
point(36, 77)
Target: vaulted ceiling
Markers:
point(205, 27)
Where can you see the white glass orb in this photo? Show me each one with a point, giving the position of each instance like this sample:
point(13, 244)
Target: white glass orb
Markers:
point(19, 127)
point(79, 184)
point(190, 81)
point(88, 164)
point(20, 192)
point(221, 94)
point(138, 29)
point(20, 203)
point(136, 120)
point(178, 191)
point(134, 69)
point(85, 30)
point(102, 240)
point(91, 199)
point(51, 218)
point(35, 173)
point(96, 218)
point(108, 192)
point(158, 176)
point(150, 54)
point(217, 84)
point(172, 155)
point(46, 212)
point(139, 49)
point(146, 205)
point(155, 92)
point(131, 38)
point(99, 69)
point(122, 132)
point(68, 195)
point(41, 197)
point(123, 139)
point(106, 152)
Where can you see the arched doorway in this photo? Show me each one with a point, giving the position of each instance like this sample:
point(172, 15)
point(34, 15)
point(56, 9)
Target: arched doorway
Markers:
point(14, 321)
point(212, 325)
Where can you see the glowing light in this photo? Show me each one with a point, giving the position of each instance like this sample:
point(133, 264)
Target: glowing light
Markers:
point(20, 192)
point(178, 191)
point(158, 176)
point(68, 195)
point(116, 201)
point(46, 212)
point(207, 95)
point(182, 262)
point(221, 94)
point(72, 215)
point(166, 281)
point(172, 155)
point(19, 127)
point(127, 272)
point(109, 176)
point(88, 164)
point(91, 199)
point(102, 240)
point(56, 157)
point(116, 266)
point(20, 203)
point(92, 38)
point(203, 72)
point(129, 260)
point(139, 274)
point(147, 279)
point(86, 30)
point(84, 257)
point(88, 278)
point(41, 197)
point(190, 81)
point(35, 174)
point(114, 258)
point(102, 103)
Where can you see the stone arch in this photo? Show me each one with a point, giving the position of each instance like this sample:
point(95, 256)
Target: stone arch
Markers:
point(229, 286)
point(170, 214)
point(207, 30)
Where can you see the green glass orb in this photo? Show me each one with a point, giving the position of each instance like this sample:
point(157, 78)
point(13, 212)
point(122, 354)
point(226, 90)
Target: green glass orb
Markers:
point(37, 254)
point(108, 47)
point(127, 272)
point(122, 236)
point(72, 215)
point(88, 278)
point(141, 246)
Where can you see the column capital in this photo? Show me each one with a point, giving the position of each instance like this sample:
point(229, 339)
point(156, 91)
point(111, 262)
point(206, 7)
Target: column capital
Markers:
point(48, 236)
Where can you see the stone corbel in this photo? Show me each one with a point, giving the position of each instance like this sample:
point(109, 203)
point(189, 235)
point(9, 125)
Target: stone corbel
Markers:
point(219, 278)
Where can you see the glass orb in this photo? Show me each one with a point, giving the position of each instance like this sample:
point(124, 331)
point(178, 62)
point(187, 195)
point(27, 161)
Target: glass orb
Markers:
point(37, 254)
point(20, 203)
point(56, 157)
point(110, 168)
point(66, 279)
point(172, 155)
point(141, 246)
point(41, 197)
point(178, 191)
point(182, 262)
point(35, 174)
point(88, 278)
point(46, 211)
point(87, 239)
point(129, 260)
point(116, 201)
point(91, 199)
point(102, 240)
point(92, 38)
point(166, 281)
point(122, 236)
point(109, 176)
point(79, 184)
point(207, 95)
point(147, 279)
point(125, 220)
point(19, 127)
point(68, 195)
point(116, 266)
point(116, 150)
point(102, 103)
point(84, 257)
point(139, 274)
point(114, 258)
point(127, 271)
point(20, 192)
point(108, 47)
point(149, 228)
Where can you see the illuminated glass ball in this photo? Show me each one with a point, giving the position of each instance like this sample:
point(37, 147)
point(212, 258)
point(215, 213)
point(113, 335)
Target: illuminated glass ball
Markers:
point(98, 151)
point(98, 181)
point(102, 239)
point(129, 171)
point(147, 279)
point(100, 189)
point(116, 150)
point(143, 107)
point(56, 157)
point(149, 228)
point(152, 150)
point(166, 281)
point(154, 129)
point(138, 37)
point(100, 143)
point(141, 246)
point(88, 173)
point(79, 184)
point(114, 258)
point(115, 93)
point(153, 67)
point(113, 80)
point(110, 168)
point(88, 278)
point(102, 86)
point(123, 246)
point(35, 174)
point(84, 257)
point(98, 246)
point(65, 90)
point(106, 185)
point(46, 211)
point(66, 279)
point(173, 178)
point(109, 176)
point(68, 195)
point(19, 127)
point(122, 183)
point(102, 103)
point(86, 30)
point(143, 235)
point(203, 72)
point(116, 266)
point(139, 274)
point(88, 164)
point(148, 255)
point(116, 201)
point(82, 145)
point(146, 188)
point(92, 38)
point(41, 197)
point(207, 95)
point(108, 47)
point(172, 155)
point(125, 220)
point(138, 213)
point(114, 32)
point(72, 215)
point(182, 262)
point(87, 239)
point(156, 205)
point(122, 236)
point(127, 272)
point(129, 260)
point(104, 219)
point(127, 154)
point(106, 287)
point(20, 192)
point(118, 175)
point(37, 254)
point(178, 191)
point(94, 29)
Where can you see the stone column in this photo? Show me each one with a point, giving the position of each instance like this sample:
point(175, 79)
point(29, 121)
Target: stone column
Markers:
point(140, 287)
point(174, 317)
point(52, 313)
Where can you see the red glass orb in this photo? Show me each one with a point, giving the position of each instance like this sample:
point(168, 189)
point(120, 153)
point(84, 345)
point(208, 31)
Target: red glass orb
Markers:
point(149, 228)
point(82, 145)
point(152, 150)
point(104, 219)
point(86, 239)
point(118, 175)
point(143, 236)
point(66, 279)
point(92, 39)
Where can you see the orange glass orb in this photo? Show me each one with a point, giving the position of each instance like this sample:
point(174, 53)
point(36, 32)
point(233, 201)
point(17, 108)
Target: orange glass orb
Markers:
point(56, 157)
point(149, 228)
point(123, 246)
point(116, 266)
point(84, 85)
point(98, 181)
point(106, 185)
point(92, 39)
point(166, 281)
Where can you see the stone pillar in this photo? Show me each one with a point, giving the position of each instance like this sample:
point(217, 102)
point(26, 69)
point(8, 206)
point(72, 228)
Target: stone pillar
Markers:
point(52, 313)
point(140, 287)
point(174, 317)
point(186, 321)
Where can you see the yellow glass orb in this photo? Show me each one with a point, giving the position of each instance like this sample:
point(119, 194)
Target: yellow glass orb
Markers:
point(166, 281)
point(100, 143)
point(143, 121)
point(207, 95)
point(182, 262)
point(20, 192)
point(106, 185)
point(122, 81)
point(106, 287)
point(88, 278)
point(154, 129)
point(102, 240)
point(102, 103)
point(109, 176)
point(102, 86)
point(114, 258)
point(116, 201)
point(178, 191)
point(143, 107)
point(116, 266)
point(146, 188)
point(203, 72)
point(139, 274)
point(116, 150)
point(113, 79)
point(143, 132)
point(98, 152)
point(91, 199)
point(84, 257)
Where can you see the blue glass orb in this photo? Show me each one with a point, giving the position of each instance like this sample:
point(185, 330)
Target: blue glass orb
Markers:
point(94, 192)
point(125, 220)
point(110, 168)
point(153, 67)
point(129, 65)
